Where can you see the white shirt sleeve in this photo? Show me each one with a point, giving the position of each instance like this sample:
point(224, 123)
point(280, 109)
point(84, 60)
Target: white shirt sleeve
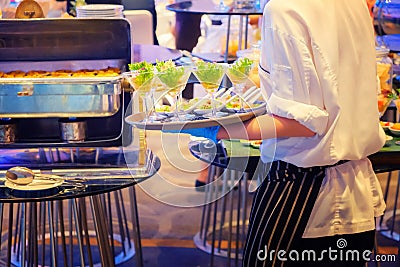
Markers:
point(291, 74)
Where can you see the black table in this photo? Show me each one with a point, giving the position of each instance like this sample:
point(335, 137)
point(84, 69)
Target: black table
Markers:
point(235, 155)
point(60, 222)
point(207, 7)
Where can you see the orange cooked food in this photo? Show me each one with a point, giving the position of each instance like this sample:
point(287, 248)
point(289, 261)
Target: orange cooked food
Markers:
point(396, 126)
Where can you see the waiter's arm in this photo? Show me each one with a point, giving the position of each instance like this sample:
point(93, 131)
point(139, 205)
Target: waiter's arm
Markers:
point(264, 127)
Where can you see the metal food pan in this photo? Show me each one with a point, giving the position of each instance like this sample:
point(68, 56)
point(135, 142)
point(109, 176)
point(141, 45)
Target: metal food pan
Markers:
point(60, 97)
point(75, 97)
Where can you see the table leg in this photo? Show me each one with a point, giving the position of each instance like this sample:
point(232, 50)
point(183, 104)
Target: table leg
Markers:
point(84, 234)
point(100, 225)
point(23, 235)
point(52, 233)
point(246, 33)
point(240, 33)
point(60, 211)
point(227, 40)
point(78, 230)
point(136, 227)
point(10, 230)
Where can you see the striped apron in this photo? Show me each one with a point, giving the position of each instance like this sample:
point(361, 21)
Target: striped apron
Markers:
point(280, 212)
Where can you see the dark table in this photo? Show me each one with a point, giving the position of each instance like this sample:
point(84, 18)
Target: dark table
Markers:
point(236, 156)
point(60, 222)
point(207, 7)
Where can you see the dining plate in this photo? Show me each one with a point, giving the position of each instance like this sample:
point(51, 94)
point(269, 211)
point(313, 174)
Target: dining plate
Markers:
point(36, 185)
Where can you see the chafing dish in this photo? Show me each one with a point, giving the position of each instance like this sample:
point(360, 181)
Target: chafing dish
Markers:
point(40, 109)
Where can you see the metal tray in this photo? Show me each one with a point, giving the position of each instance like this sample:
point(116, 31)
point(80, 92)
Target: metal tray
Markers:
point(59, 97)
point(136, 120)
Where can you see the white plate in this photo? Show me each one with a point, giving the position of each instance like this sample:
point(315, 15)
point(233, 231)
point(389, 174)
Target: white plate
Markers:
point(36, 185)
point(101, 7)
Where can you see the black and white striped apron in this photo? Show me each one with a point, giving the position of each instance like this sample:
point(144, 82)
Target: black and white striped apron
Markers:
point(280, 212)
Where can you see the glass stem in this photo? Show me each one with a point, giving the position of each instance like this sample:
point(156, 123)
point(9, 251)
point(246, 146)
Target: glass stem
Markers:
point(153, 99)
point(146, 108)
point(240, 94)
point(177, 107)
point(213, 108)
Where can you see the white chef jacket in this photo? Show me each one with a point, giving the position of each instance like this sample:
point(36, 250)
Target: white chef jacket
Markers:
point(318, 67)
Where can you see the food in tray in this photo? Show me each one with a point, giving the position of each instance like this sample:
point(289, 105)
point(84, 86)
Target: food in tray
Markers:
point(256, 143)
point(246, 105)
point(385, 124)
point(163, 108)
point(207, 104)
point(245, 142)
point(395, 126)
point(107, 72)
point(395, 129)
point(189, 104)
point(388, 139)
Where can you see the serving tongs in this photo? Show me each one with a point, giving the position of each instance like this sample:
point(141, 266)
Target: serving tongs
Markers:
point(25, 176)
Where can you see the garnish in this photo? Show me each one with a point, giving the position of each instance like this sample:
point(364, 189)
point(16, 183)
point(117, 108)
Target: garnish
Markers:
point(209, 72)
point(243, 65)
point(144, 73)
point(169, 74)
point(240, 70)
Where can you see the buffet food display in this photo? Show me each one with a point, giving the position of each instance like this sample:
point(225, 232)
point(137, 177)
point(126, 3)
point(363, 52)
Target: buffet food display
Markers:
point(65, 73)
point(60, 82)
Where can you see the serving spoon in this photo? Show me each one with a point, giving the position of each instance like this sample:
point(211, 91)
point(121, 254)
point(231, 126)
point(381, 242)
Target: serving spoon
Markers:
point(25, 176)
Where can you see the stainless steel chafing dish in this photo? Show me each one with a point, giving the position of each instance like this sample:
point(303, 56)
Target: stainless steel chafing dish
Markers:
point(59, 97)
point(39, 109)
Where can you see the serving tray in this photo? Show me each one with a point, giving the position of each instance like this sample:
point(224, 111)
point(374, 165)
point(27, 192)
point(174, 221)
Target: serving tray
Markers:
point(198, 121)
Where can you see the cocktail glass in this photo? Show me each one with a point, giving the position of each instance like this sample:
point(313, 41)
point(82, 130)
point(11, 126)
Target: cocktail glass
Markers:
point(397, 103)
point(238, 74)
point(383, 103)
point(174, 80)
point(210, 75)
point(142, 82)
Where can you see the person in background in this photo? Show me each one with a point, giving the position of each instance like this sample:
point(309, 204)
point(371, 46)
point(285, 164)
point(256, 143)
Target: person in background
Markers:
point(321, 195)
point(187, 30)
